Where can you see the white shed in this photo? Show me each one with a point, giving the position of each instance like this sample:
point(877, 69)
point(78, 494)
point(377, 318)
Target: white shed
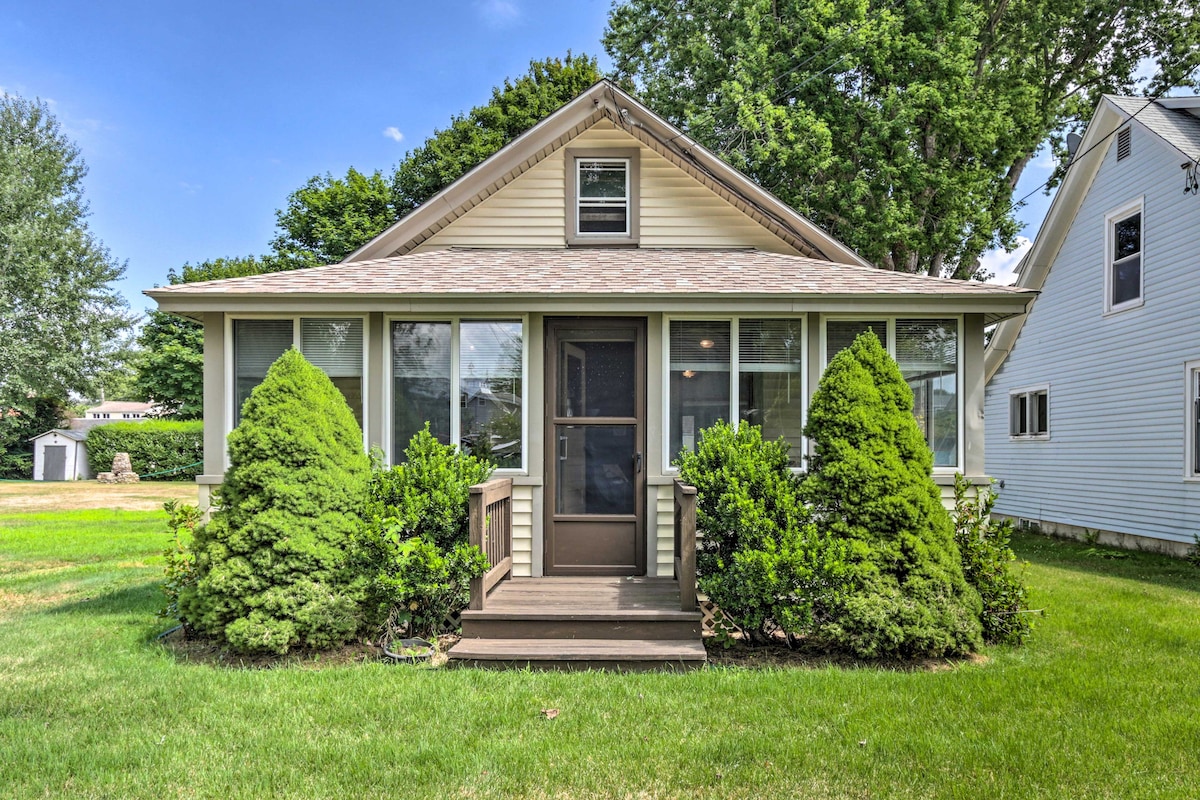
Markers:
point(60, 455)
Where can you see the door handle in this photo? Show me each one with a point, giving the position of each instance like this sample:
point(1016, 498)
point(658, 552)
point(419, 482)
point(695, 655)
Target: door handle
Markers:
point(637, 463)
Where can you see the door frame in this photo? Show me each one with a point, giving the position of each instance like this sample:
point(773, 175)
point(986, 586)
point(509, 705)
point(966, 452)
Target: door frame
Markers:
point(552, 325)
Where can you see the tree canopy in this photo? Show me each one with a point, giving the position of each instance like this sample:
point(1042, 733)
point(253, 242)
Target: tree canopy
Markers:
point(902, 128)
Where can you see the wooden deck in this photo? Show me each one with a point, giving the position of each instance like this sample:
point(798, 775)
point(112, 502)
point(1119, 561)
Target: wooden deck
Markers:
point(582, 623)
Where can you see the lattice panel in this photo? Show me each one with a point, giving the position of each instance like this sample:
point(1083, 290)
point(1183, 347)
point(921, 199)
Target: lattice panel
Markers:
point(709, 615)
point(452, 623)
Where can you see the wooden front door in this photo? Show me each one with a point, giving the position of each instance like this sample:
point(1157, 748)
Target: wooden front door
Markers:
point(595, 445)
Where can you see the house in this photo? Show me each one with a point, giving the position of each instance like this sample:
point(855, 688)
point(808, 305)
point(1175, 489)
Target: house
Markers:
point(1093, 399)
point(580, 306)
point(61, 455)
point(120, 411)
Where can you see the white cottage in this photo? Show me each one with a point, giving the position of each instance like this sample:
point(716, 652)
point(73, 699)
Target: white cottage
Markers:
point(1093, 399)
point(578, 307)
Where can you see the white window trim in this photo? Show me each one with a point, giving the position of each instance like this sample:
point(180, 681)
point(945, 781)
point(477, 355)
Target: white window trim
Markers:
point(1136, 206)
point(890, 345)
point(1029, 390)
point(454, 320)
point(1191, 393)
point(230, 388)
point(734, 364)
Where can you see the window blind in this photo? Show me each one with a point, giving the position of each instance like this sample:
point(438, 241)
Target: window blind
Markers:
point(490, 349)
point(334, 345)
point(926, 346)
point(701, 345)
point(769, 345)
point(840, 334)
point(421, 350)
point(257, 344)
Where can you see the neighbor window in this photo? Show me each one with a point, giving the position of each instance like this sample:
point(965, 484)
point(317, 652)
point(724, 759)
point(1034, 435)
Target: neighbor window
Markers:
point(767, 391)
point(1029, 413)
point(333, 344)
point(1123, 270)
point(484, 415)
point(927, 352)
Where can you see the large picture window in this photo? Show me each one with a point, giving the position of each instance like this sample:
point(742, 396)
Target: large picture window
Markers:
point(333, 344)
point(483, 359)
point(927, 352)
point(765, 359)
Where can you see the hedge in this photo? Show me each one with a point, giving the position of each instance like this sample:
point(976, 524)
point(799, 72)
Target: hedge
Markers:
point(153, 446)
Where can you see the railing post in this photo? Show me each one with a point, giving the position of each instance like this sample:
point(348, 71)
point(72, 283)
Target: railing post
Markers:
point(685, 544)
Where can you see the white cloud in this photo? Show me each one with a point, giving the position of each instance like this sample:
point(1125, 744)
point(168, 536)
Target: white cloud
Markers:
point(1003, 265)
point(393, 133)
point(190, 188)
point(498, 13)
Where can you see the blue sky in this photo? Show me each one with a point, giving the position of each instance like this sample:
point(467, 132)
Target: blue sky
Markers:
point(198, 119)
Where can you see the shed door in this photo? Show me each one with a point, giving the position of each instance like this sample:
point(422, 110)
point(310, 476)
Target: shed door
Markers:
point(54, 468)
point(595, 440)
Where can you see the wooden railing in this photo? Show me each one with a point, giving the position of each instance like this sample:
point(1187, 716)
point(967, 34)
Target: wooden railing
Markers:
point(685, 544)
point(491, 531)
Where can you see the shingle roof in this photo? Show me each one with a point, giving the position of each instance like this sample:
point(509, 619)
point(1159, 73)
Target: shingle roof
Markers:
point(1178, 127)
point(120, 406)
point(77, 436)
point(588, 272)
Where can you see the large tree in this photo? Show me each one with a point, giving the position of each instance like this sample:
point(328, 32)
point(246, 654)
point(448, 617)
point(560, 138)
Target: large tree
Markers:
point(900, 127)
point(328, 218)
point(61, 320)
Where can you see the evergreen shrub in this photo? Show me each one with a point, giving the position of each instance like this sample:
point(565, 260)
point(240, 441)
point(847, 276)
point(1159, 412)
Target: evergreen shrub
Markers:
point(760, 558)
point(272, 567)
point(153, 446)
point(987, 561)
point(870, 486)
point(414, 550)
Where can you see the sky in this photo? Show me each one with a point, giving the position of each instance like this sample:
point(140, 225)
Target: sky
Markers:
point(197, 119)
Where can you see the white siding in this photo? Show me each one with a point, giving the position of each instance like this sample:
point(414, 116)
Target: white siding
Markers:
point(1115, 457)
point(662, 529)
point(676, 209)
point(522, 531)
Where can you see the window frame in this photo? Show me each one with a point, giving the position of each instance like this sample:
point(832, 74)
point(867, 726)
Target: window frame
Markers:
point(1030, 393)
point(734, 375)
point(572, 159)
point(890, 345)
point(230, 378)
point(1191, 420)
point(455, 321)
point(1111, 219)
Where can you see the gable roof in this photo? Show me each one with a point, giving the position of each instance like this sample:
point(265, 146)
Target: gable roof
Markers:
point(121, 406)
point(1173, 120)
point(605, 100)
point(75, 436)
point(592, 273)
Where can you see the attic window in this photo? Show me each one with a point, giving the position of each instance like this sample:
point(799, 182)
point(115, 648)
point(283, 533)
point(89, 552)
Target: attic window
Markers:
point(602, 197)
point(1124, 144)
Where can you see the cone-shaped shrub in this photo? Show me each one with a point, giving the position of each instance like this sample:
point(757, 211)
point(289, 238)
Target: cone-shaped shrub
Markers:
point(870, 484)
point(272, 564)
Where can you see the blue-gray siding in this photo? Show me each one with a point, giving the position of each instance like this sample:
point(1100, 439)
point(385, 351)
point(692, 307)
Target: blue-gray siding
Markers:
point(1115, 457)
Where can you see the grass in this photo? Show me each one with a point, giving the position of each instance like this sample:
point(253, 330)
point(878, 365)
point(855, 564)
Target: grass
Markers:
point(1103, 702)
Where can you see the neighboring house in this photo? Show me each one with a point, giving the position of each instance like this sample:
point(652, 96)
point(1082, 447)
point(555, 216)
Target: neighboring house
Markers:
point(120, 411)
point(579, 307)
point(1093, 399)
point(60, 455)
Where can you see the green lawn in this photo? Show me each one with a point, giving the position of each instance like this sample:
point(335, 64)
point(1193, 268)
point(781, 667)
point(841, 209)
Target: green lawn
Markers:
point(1103, 702)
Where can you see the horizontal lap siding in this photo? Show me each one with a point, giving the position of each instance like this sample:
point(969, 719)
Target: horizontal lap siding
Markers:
point(522, 506)
point(665, 532)
point(676, 209)
point(1115, 459)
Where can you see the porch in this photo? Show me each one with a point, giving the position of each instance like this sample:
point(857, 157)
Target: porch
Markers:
point(578, 622)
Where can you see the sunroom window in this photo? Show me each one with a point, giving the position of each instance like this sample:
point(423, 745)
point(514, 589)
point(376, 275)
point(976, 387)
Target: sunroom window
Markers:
point(767, 389)
point(333, 344)
point(484, 358)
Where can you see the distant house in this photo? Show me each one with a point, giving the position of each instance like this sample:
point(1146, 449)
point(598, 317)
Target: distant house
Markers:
point(1093, 399)
point(120, 410)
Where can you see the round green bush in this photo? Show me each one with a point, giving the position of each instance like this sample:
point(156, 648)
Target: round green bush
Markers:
point(272, 565)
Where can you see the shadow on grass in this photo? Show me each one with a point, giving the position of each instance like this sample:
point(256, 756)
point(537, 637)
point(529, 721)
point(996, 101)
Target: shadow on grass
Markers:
point(143, 598)
point(1107, 562)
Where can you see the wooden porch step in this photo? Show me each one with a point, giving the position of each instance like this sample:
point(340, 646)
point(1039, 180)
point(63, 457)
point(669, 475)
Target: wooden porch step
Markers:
point(598, 624)
point(579, 654)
